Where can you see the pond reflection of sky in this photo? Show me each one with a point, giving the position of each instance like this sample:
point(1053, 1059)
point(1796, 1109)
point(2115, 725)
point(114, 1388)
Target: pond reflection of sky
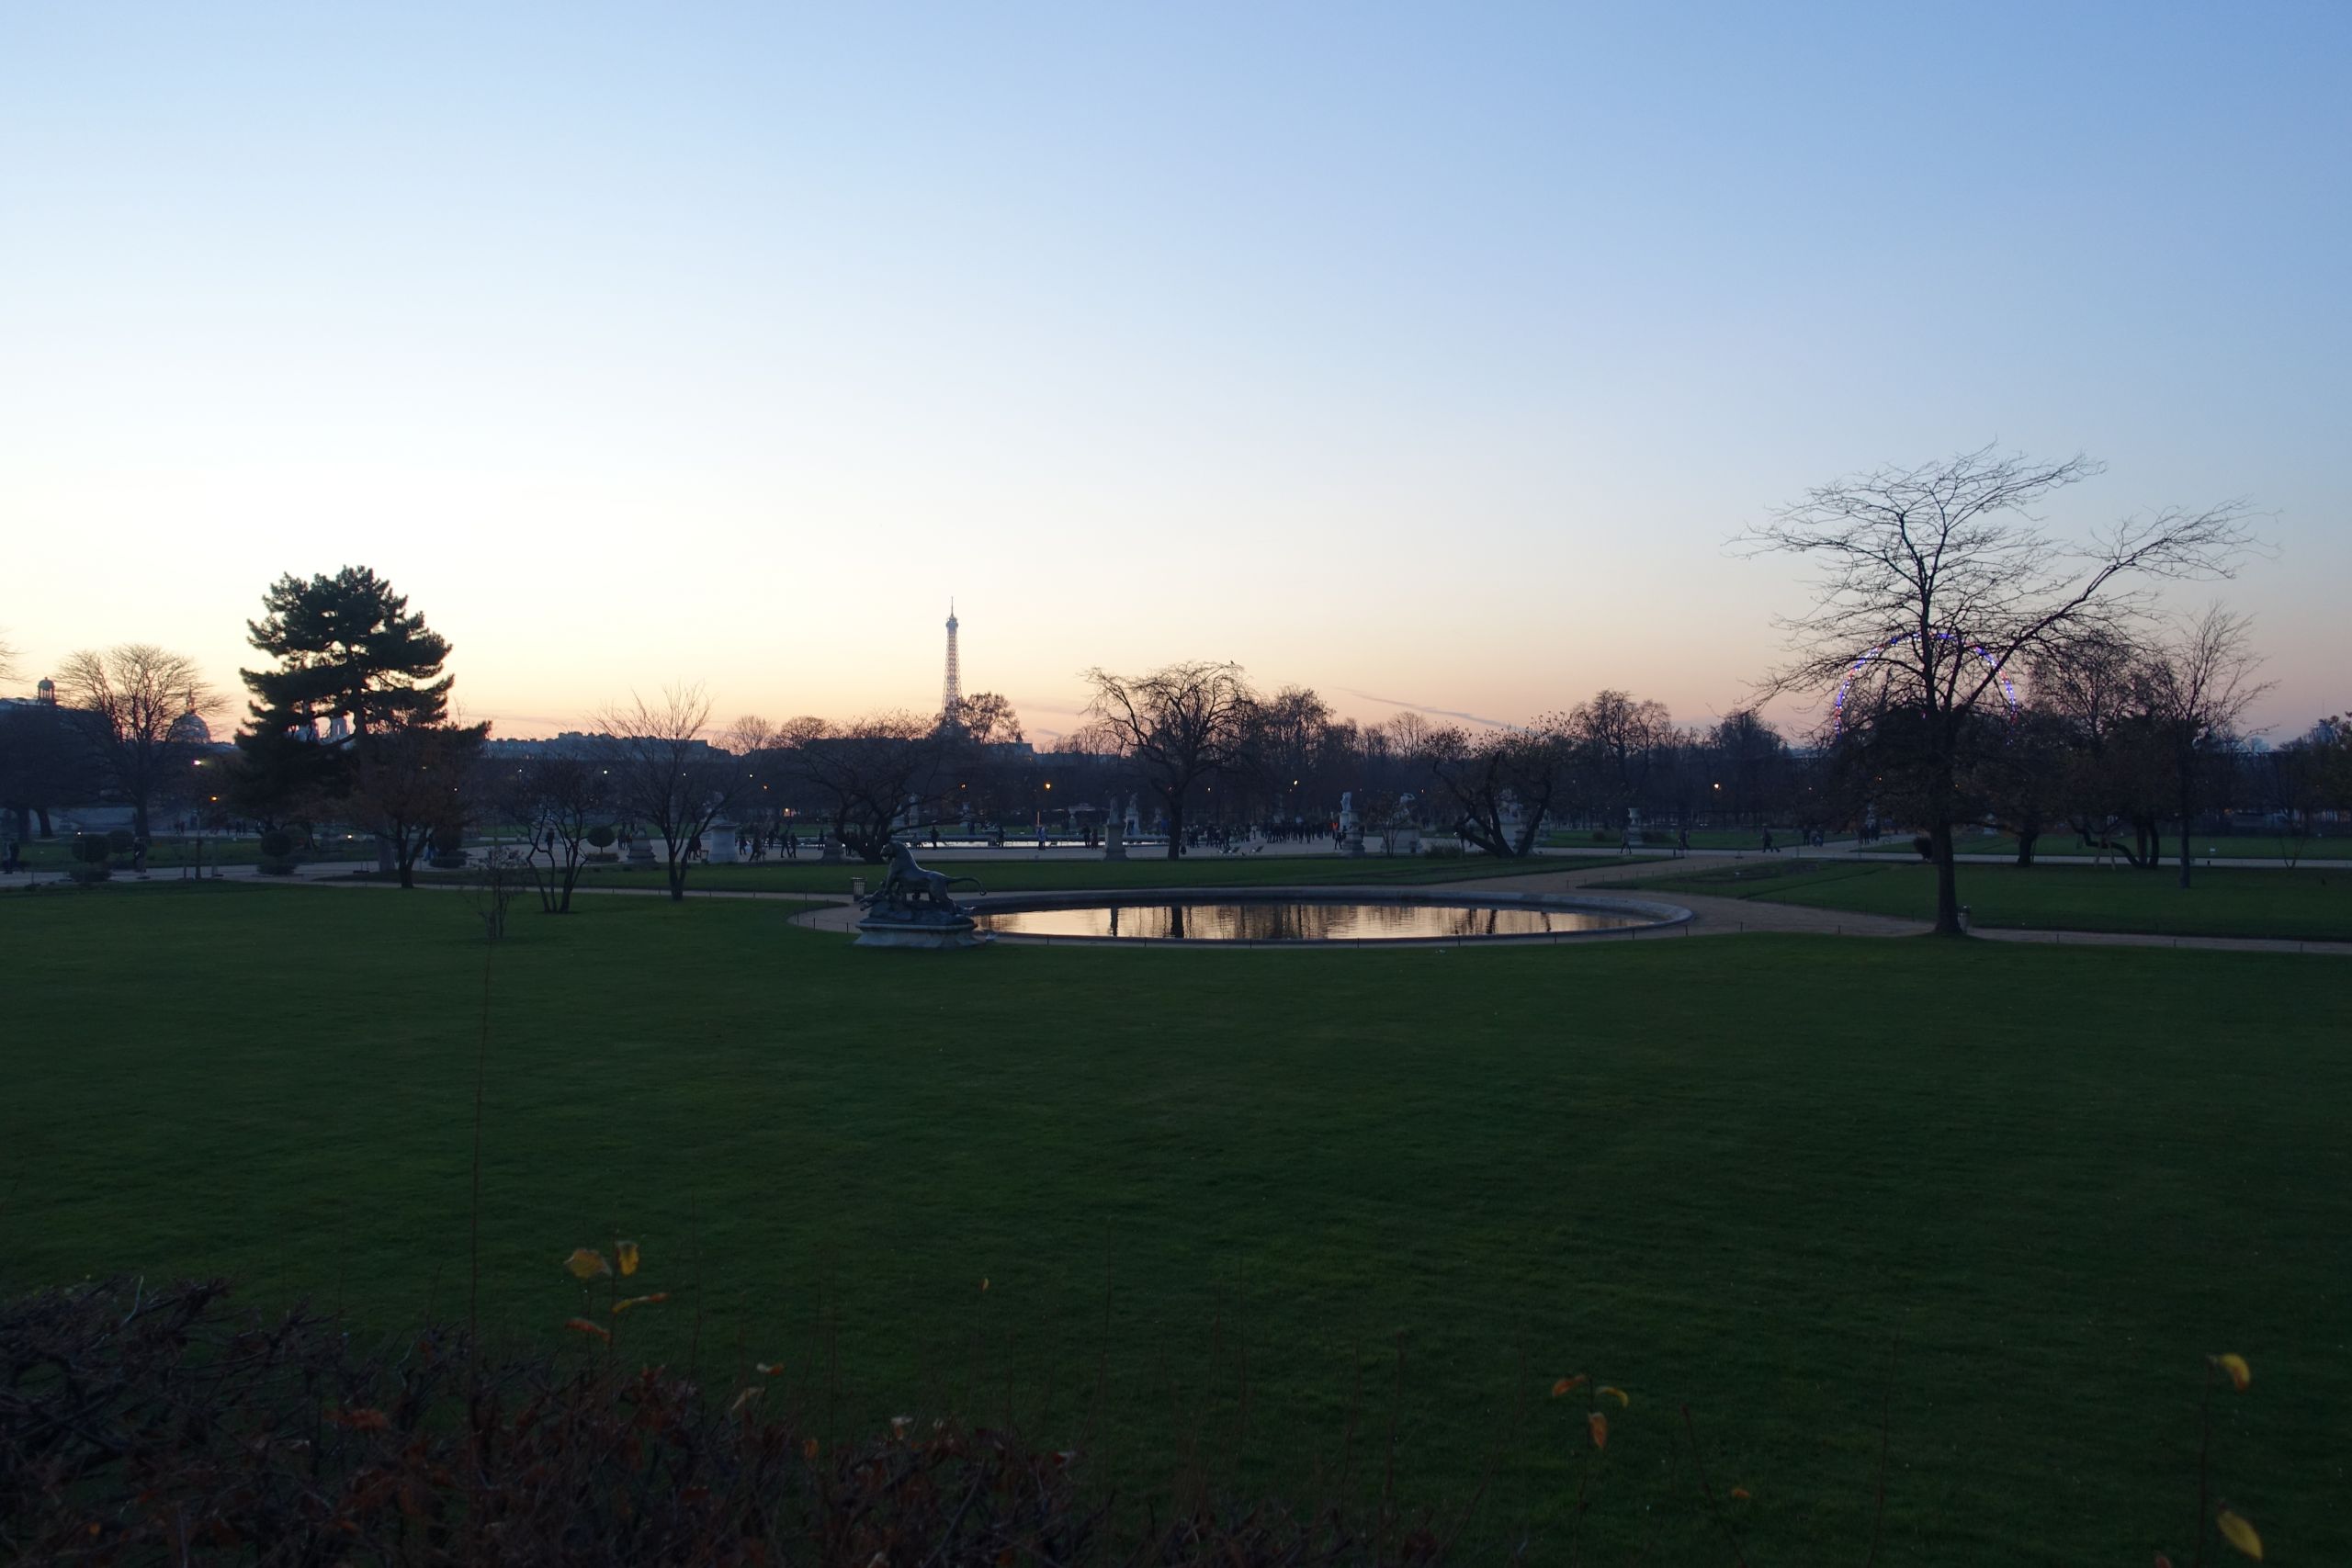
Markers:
point(1306, 920)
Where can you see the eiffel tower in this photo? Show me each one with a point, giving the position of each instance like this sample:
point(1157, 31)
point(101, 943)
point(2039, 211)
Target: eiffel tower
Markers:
point(951, 702)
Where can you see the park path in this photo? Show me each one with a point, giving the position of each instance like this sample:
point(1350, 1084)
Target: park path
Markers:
point(1710, 915)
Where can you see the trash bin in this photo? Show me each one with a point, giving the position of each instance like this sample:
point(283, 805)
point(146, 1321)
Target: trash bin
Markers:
point(857, 887)
point(1964, 921)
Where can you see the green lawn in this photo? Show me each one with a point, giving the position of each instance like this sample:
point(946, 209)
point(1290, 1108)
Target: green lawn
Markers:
point(2311, 904)
point(170, 852)
point(1701, 839)
point(2067, 846)
point(1026, 876)
point(1727, 1172)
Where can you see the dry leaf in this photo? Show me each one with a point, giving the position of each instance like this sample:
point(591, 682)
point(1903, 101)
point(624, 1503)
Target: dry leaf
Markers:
point(1617, 1394)
point(627, 1252)
point(808, 1449)
point(1739, 1494)
point(1600, 1425)
point(622, 1306)
point(586, 1263)
point(1567, 1385)
point(2240, 1373)
point(2240, 1534)
point(581, 1326)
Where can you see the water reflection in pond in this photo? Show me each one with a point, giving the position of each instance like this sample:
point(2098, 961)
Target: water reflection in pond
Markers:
point(1305, 920)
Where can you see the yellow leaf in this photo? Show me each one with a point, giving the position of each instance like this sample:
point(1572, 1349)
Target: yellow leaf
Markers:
point(2240, 1373)
point(1567, 1385)
point(1600, 1425)
point(586, 1263)
point(1617, 1394)
point(581, 1326)
point(2240, 1534)
point(621, 1306)
point(627, 1252)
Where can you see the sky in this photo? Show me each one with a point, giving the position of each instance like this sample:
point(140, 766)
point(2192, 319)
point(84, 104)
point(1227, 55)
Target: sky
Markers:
point(1427, 355)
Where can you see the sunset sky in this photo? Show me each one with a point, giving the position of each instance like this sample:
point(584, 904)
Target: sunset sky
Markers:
point(1424, 354)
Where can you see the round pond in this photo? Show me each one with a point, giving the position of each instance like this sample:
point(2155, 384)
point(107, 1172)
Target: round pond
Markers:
point(1301, 916)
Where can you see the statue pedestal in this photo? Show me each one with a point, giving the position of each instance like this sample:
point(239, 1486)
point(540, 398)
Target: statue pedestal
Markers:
point(883, 932)
point(1114, 843)
point(832, 855)
point(1351, 844)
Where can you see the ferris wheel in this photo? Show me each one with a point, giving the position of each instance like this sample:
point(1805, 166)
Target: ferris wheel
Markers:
point(1838, 703)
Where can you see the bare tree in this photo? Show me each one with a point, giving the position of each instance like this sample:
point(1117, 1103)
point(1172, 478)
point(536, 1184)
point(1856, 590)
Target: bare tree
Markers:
point(864, 775)
point(1177, 726)
point(1615, 735)
point(1936, 585)
point(142, 697)
point(2091, 687)
point(48, 757)
point(987, 719)
point(1500, 786)
point(410, 784)
point(1748, 758)
point(666, 776)
point(558, 799)
point(2198, 684)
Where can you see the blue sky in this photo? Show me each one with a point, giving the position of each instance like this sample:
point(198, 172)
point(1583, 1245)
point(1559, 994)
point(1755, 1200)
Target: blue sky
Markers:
point(1431, 352)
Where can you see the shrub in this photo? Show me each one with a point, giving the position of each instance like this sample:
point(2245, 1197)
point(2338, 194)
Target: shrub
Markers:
point(448, 851)
point(601, 837)
point(277, 853)
point(1924, 845)
point(90, 871)
point(151, 1425)
point(120, 841)
point(91, 849)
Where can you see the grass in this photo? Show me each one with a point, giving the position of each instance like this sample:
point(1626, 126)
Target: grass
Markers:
point(1235, 1185)
point(1664, 834)
point(2312, 905)
point(168, 852)
point(2068, 846)
point(1026, 876)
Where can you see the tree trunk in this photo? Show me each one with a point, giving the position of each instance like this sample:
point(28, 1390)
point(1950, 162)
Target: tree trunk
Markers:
point(677, 875)
point(2027, 838)
point(1175, 830)
point(2188, 817)
point(1947, 879)
point(46, 831)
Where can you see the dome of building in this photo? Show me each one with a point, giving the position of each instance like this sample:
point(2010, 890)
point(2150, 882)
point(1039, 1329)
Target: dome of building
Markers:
point(190, 729)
